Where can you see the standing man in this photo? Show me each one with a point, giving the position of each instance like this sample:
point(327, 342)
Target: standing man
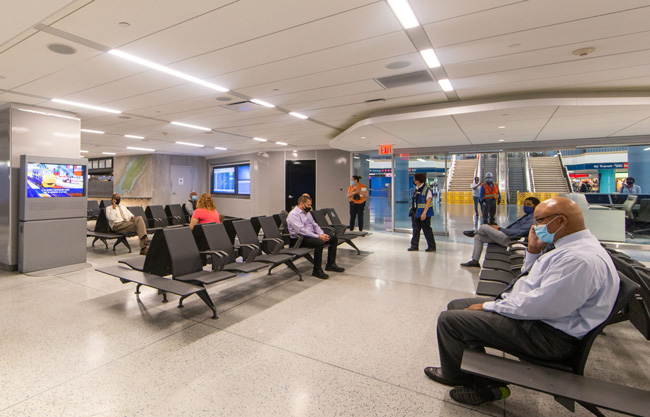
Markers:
point(489, 197)
point(476, 194)
point(421, 212)
point(300, 222)
point(357, 194)
point(629, 187)
point(122, 220)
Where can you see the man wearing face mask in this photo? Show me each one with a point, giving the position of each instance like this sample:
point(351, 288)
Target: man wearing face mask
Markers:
point(629, 187)
point(421, 212)
point(121, 220)
point(495, 234)
point(489, 197)
point(357, 194)
point(300, 222)
point(190, 206)
point(568, 287)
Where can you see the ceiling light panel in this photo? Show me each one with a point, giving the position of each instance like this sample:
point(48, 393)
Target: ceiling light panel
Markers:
point(404, 13)
point(86, 106)
point(430, 58)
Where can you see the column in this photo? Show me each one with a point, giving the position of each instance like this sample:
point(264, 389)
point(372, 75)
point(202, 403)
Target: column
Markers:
point(638, 166)
point(607, 181)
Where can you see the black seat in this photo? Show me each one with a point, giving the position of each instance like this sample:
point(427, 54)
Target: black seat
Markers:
point(93, 209)
point(139, 212)
point(272, 232)
point(321, 221)
point(213, 237)
point(335, 220)
point(230, 229)
point(256, 223)
point(250, 244)
point(174, 214)
point(156, 216)
point(105, 203)
point(103, 232)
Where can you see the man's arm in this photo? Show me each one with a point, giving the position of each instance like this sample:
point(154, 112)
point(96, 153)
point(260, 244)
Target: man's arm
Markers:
point(482, 193)
point(296, 226)
point(111, 215)
point(426, 208)
point(520, 227)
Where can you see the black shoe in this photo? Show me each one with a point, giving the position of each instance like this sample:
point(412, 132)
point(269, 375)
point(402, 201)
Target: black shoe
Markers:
point(431, 249)
point(144, 251)
point(478, 396)
point(412, 249)
point(334, 268)
point(318, 273)
point(436, 374)
point(469, 233)
point(471, 264)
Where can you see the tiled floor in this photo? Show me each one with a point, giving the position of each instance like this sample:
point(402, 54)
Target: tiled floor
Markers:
point(81, 344)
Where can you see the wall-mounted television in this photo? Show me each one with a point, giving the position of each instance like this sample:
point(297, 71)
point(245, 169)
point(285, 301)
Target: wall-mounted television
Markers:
point(55, 180)
point(231, 179)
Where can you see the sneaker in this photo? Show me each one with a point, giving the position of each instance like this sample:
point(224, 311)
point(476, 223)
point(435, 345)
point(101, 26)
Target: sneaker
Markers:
point(469, 233)
point(471, 264)
point(334, 268)
point(412, 249)
point(144, 250)
point(478, 396)
point(318, 273)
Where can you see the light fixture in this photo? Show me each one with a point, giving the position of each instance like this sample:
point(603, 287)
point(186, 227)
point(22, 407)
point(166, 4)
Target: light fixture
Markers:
point(430, 58)
point(404, 13)
point(281, 143)
point(48, 114)
point(85, 106)
point(262, 103)
point(421, 160)
point(220, 148)
point(166, 70)
point(260, 139)
point(502, 140)
point(369, 160)
point(109, 153)
point(98, 132)
point(647, 149)
point(134, 137)
point(83, 151)
point(298, 115)
point(191, 126)
point(190, 144)
point(502, 127)
point(140, 149)
point(356, 157)
point(445, 84)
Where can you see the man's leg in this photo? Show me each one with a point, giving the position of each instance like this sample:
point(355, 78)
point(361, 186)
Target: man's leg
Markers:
point(493, 211)
point(331, 251)
point(487, 234)
point(317, 245)
point(476, 205)
point(428, 233)
point(415, 240)
point(141, 229)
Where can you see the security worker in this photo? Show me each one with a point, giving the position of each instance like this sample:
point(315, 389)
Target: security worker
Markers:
point(490, 197)
point(421, 212)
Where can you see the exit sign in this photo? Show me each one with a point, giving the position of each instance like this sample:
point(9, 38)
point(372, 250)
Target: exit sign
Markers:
point(385, 149)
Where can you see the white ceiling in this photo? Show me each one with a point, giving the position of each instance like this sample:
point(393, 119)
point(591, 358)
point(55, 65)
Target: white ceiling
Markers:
point(509, 61)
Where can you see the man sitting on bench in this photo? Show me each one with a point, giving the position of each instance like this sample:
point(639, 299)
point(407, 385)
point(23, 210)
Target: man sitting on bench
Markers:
point(568, 287)
point(488, 233)
point(123, 221)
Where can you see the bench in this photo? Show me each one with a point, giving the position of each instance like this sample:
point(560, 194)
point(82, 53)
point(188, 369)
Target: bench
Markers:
point(104, 232)
point(163, 285)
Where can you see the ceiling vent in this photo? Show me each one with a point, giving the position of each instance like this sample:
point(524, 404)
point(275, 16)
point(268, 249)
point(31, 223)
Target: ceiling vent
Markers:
point(405, 79)
point(242, 106)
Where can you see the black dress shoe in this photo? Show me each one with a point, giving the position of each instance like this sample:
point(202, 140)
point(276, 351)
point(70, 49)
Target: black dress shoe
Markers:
point(334, 268)
point(469, 233)
point(412, 249)
point(436, 374)
point(318, 273)
point(431, 249)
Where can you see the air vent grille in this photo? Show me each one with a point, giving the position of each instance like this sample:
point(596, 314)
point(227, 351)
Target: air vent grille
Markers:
point(402, 80)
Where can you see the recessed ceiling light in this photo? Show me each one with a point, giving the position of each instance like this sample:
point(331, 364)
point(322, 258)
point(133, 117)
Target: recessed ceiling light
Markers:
point(363, 137)
point(166, 70)
point(502, 140)
point(134, 137)
point(220, 148)
point(445, 84)
point(281, 143)
point(109, 153)
point(583, 51)
point(397, 65)
point(298, 115)
point(98, 132)
point(260, 139)
point(190, 126)
point(140, 149)
point(124, 24)
point(190, 144)
point(404, 13)
point(83, 151)
point(59, 48)
point(85, 106)
point(502, 127)
point(430, 58)
point(262, 103)
point(356, 157)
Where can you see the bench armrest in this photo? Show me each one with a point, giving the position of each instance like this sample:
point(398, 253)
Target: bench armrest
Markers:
point(299, 239)
point(218, 258)
point(275, 244)
point(249, 252)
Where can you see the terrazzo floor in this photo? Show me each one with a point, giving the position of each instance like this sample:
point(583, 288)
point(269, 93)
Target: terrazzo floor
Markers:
point(81, 343)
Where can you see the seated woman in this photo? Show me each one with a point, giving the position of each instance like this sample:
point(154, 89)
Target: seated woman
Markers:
point(205, 211)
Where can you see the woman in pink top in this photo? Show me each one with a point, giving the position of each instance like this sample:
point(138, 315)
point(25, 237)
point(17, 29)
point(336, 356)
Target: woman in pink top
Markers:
point(205, 211)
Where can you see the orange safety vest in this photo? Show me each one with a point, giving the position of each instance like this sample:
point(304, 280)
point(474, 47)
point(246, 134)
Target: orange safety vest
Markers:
point(490, 192)
point(357, 189)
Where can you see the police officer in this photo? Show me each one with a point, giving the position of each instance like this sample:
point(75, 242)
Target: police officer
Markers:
point(421, 212)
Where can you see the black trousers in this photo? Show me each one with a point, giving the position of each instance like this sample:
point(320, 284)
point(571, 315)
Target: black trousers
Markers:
point(318, 245)
point(356, 210)
point(489, 211)
point(459, 329)
point(424, 225)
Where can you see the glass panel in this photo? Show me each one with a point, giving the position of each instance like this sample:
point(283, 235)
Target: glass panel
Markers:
point(379, 211)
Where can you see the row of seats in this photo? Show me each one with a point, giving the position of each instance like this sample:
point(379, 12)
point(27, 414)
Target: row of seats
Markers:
point(154, 215)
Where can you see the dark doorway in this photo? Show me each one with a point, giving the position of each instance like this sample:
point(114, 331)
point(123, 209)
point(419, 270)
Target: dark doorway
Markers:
point(299, 178)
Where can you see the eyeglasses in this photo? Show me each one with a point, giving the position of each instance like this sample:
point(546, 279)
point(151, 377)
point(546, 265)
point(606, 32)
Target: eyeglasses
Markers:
point(537, 221)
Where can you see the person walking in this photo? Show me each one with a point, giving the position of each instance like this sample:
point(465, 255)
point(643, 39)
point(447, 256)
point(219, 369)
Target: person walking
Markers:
point(421, 212)
point(357, 193)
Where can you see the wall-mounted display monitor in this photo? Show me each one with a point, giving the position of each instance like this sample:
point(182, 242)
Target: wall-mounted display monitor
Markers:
point(55, 180)
point(231, 179)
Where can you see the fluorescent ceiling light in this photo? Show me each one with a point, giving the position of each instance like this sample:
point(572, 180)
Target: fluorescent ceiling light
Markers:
point(83, 151)
point(281, 143)
point(166, 70)
point(430, 58)
point(99, 132)
point(191, 126)
point(502, 140)
point(260, 139)
point(190, 144)
point(134, 137)
point(369, 160)
point(647, 149)
point(421, 160)
point(502, 127)
point(446, 85)
point(85, 106)
point(262, 103)
point(356, 157)
point(109, 153)
point(298, 115)
point(404, 13)
point(49, 114)
point(140, 149)
point(220, 148)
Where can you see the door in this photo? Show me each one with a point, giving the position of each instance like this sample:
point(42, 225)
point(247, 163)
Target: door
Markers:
point(182, 177)
point(299, 178)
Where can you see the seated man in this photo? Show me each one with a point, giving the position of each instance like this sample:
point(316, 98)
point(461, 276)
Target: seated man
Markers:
point(495, 234)
point(300, 222)
point(567, 289)
point(122, 220)
point(190, 206)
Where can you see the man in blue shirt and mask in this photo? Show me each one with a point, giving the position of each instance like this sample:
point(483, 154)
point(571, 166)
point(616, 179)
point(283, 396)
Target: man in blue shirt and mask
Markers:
point(566, 290)
point(495, 234)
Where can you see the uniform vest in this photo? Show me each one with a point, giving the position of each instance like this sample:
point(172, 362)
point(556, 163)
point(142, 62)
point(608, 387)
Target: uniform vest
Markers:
point(490, 192)
point(422, 202)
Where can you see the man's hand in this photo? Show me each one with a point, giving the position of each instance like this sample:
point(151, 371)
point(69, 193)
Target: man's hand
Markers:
point(113, 201)
point(535, 245)
point(324, 237)
point(476, 307)
point(423, 217)
point(495, 226)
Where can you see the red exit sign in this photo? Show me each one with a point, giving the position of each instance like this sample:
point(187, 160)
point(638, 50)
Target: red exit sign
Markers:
point(385, 149)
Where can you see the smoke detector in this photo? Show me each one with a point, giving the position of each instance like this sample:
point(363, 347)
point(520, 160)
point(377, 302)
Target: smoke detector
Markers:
point(583, 51)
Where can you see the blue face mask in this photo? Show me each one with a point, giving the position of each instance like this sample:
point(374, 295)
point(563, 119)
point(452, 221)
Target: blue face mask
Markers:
point(488, 180)
point(351, 182)
point(528, 209)
point(194, 197)
point(543, 234)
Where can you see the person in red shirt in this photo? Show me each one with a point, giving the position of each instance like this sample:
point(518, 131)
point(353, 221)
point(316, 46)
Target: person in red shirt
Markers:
point(205, 211)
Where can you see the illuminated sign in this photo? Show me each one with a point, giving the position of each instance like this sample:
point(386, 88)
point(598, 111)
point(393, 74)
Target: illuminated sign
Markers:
point(385, 149)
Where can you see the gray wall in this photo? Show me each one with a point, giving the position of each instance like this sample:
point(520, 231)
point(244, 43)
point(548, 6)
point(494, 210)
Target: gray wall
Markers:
point(267, 182)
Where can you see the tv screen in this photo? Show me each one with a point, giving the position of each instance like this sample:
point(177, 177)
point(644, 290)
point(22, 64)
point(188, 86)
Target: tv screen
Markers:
point(244, 179)
point(223, 180)
point(55, 180)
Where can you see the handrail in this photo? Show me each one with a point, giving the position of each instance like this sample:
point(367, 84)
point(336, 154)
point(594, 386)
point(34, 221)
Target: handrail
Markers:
point(565, 172)
point(526, 173)
point(507, 176)
point(451, 171)
point(532, 172)
point(479, 164)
